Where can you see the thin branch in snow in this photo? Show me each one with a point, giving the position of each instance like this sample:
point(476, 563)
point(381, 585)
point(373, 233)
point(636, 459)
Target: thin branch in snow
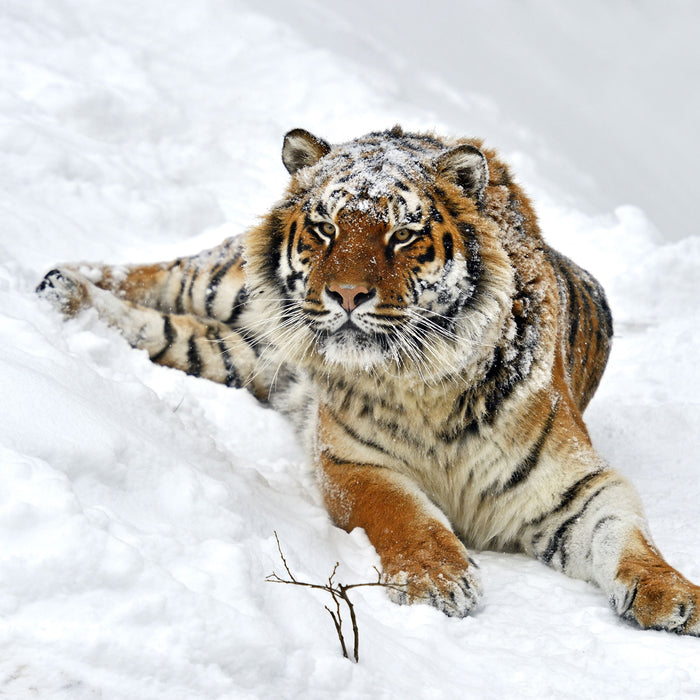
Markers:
point(338, 592)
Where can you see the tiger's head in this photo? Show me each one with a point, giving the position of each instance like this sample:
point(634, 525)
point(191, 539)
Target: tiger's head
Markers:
point(381, 255)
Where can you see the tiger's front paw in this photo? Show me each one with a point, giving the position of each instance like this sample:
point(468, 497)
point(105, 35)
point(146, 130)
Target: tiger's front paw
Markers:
point(652, 594)
point(661, 600)
point(65, 289)
point(446, 579)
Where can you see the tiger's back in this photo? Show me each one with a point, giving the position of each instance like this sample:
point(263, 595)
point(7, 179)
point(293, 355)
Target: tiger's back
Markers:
point(587, 323)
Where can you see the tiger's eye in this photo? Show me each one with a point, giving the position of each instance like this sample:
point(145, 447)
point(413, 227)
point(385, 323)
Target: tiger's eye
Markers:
point(402, 235)
point(327, 228)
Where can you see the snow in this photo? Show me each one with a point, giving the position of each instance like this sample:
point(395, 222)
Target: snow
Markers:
point(138, 505)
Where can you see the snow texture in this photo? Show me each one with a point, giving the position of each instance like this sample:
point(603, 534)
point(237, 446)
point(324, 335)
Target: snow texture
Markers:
point(137, 505)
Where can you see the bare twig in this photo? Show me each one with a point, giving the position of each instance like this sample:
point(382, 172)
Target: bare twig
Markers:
point(337, 592)
point(338, 622)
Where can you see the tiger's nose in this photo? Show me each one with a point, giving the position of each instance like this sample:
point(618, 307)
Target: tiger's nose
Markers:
point(349, 296)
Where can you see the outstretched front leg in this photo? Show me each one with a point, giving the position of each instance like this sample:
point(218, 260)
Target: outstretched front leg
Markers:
point(596, 531)
point(203, 347)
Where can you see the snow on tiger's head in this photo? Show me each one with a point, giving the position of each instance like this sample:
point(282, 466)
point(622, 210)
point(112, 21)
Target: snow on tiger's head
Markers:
point(381, 255)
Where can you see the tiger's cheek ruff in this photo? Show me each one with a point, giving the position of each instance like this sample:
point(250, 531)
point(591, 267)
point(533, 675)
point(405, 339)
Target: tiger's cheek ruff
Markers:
point(444, 290)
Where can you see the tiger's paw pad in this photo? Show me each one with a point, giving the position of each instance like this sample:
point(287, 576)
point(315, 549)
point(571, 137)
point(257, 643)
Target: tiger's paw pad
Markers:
point(65, 290)
point(668, 603)
point(454, 591)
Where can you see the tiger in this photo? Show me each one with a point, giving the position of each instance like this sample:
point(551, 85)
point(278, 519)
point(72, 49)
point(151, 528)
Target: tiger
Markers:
point(400, 306)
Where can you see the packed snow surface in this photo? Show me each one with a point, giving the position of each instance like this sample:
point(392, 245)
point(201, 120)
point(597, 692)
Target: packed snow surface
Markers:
point(138, 505)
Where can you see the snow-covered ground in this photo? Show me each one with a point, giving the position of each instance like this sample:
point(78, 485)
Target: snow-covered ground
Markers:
point(138, 505)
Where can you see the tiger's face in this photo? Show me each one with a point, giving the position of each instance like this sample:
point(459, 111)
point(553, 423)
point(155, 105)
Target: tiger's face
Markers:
point(379, 260)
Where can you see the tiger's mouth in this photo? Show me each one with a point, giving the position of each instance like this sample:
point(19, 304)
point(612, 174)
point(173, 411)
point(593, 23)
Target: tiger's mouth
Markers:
point(350, 346)
point(349, 327)
point(351, 332)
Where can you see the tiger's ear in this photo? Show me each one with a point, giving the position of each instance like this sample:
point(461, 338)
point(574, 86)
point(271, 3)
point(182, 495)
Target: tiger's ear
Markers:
point(302, 149)
point(466, 166)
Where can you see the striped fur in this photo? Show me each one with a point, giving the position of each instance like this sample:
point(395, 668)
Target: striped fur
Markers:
point(401, 307)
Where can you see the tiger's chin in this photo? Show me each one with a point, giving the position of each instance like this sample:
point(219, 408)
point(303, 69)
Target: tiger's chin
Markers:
point(353, 350)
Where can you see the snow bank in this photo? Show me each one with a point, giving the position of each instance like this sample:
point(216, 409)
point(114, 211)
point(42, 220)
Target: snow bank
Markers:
point(138, 505)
